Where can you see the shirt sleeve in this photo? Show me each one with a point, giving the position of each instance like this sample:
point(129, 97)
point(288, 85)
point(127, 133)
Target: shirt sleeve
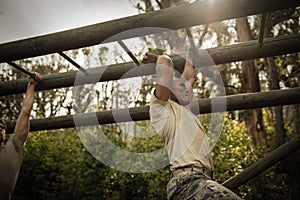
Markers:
point(159, 112)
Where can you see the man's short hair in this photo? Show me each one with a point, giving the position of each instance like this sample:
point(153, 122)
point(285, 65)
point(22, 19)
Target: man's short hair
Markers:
point(2, 121)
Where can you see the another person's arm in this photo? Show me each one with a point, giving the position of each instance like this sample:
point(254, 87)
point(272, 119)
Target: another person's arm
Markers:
point(22, 125)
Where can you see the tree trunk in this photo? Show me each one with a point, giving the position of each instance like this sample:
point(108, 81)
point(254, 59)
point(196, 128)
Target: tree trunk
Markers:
point(292, 112)
point(274, 85)
point(273, 74)
point(251, 84)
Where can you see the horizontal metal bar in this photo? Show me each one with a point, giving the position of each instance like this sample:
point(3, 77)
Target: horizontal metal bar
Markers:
point(219, 55)
point(207, 105)
point(173, 18)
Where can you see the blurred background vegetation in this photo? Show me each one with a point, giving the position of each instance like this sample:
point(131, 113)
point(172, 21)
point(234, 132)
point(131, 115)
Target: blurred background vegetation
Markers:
point(58, 166)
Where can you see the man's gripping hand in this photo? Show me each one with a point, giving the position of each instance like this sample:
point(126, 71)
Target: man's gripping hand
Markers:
point(149, 58)
point(36, 79)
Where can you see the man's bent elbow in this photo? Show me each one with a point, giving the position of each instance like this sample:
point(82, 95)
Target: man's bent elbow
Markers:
point(165, 60)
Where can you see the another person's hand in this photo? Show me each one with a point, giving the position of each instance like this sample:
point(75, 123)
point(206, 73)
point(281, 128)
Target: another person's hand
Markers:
point(38, 78)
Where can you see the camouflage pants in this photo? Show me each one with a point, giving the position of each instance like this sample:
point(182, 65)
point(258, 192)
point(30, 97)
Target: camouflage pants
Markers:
point(195, 185)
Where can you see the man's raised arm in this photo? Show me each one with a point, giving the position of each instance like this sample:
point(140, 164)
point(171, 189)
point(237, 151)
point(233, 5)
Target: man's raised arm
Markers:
point(164, 74)
point(190, 72)
point(22, 125)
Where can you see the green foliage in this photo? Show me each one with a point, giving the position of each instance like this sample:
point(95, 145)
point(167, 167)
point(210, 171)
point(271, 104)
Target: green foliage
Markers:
point(52, 164)
point(10, 105)
point(234, 151)
point(57, 166)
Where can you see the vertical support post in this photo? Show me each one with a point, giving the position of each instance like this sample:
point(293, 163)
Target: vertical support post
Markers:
point(262, 29)
point(191, 40)
point(32, 75)
point(121, 43)
point(73, 62)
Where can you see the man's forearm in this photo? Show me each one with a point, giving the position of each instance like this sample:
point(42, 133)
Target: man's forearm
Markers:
point(164, 77)
point(28, 100)
point(189, 72)
point(22, 125)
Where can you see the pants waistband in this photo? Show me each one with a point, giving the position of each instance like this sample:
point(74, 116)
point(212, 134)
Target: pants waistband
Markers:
point(203, 170)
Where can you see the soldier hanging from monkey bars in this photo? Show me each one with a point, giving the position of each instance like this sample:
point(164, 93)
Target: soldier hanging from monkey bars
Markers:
point(184, 137)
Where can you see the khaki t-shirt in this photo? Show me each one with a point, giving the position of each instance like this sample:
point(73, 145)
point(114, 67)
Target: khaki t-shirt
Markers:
point(11, 157)
point(183, 135)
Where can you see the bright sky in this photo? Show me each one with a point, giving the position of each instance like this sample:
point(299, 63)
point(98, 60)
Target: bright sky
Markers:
point(21, 19)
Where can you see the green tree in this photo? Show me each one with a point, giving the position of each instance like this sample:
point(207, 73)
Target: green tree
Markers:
point(10, 105)
point(234, 151)
point(58, 165)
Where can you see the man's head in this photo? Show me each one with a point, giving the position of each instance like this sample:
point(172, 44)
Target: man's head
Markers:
point(182, 92)
point(2, 131)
